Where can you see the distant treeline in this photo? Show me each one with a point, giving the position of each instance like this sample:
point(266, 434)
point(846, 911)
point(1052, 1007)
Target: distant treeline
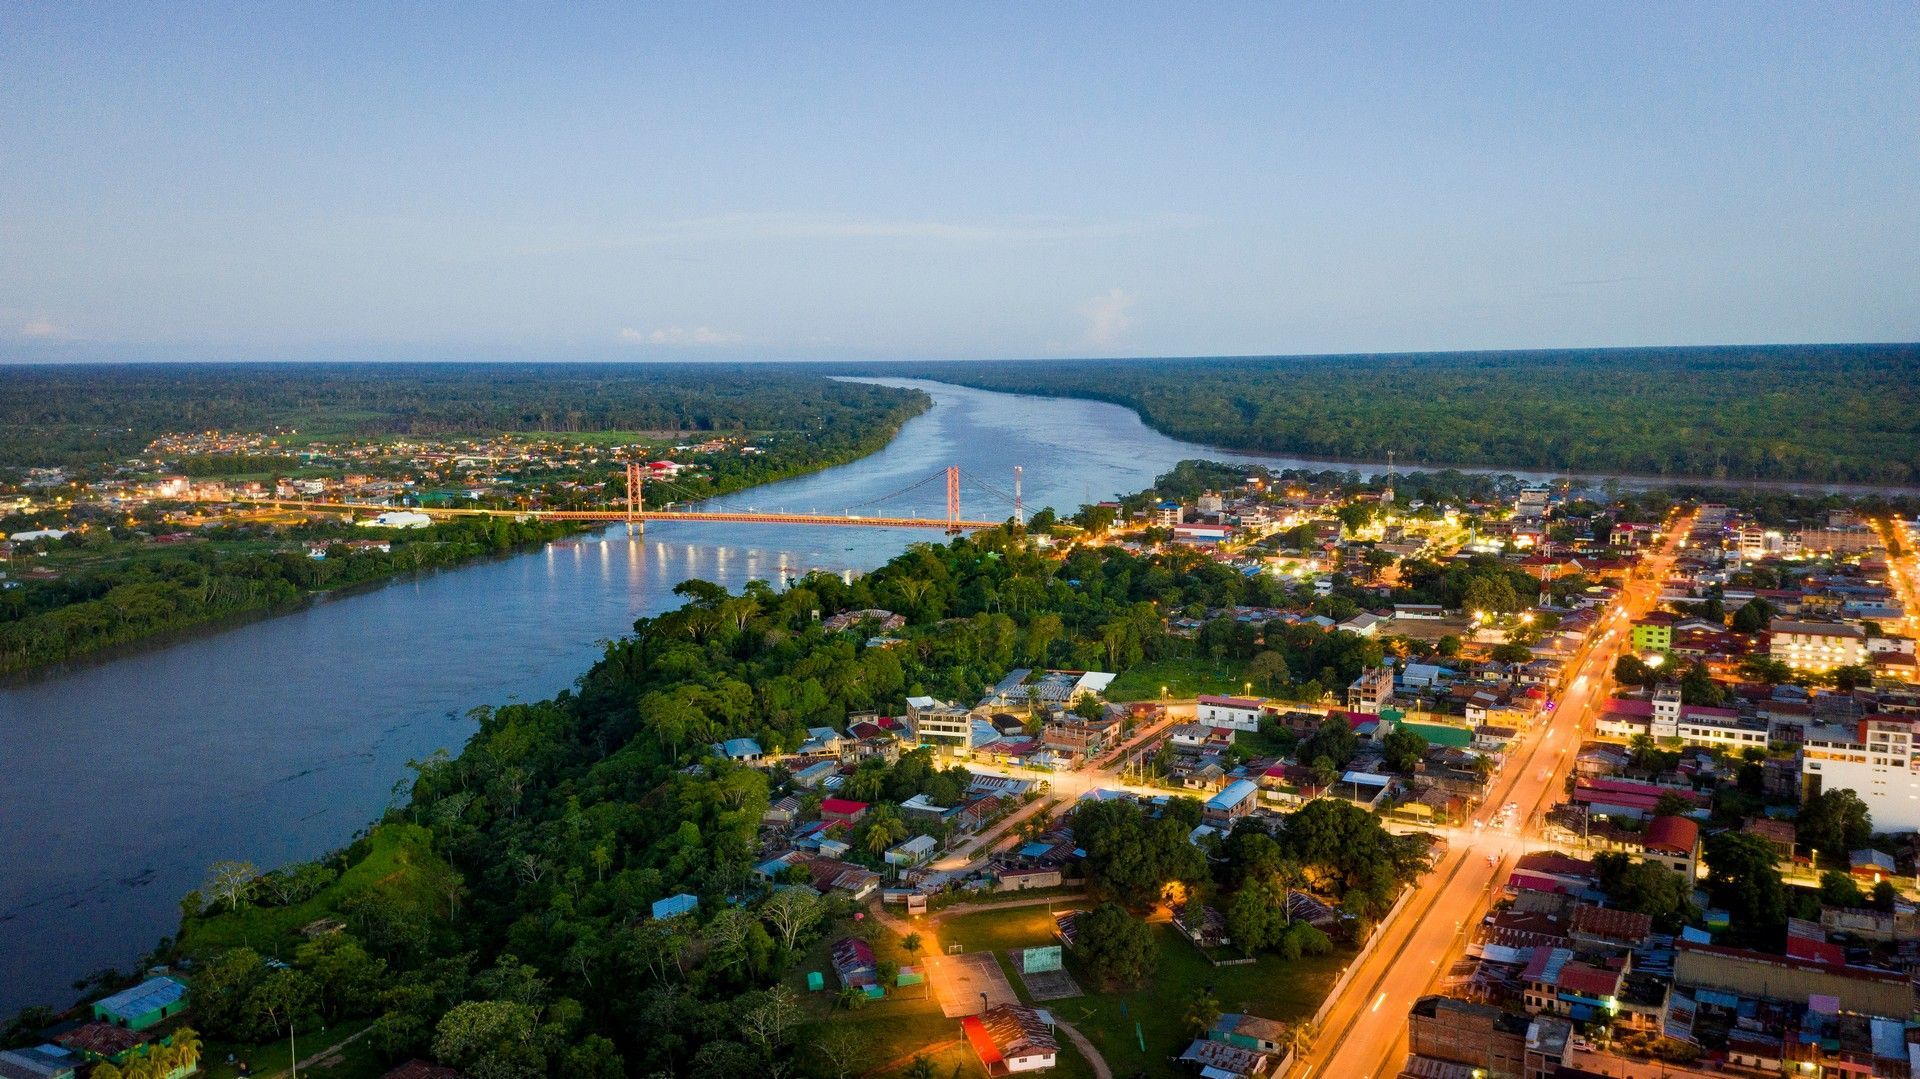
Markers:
point(1823, 413)
point(81, 414)
point(52, 621)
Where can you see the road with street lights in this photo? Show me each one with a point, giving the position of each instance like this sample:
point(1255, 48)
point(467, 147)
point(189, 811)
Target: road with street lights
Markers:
point(1364, 1036)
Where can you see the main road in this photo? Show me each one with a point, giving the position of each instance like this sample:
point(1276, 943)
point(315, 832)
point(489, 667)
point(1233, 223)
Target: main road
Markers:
point(1364, 1036)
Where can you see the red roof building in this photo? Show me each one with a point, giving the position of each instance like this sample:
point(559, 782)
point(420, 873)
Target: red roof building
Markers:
point(841, 810)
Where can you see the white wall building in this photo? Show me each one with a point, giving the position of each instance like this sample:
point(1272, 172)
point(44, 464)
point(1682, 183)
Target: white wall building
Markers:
point(1816, 646)
point(1875, 760)
point(1234, 713)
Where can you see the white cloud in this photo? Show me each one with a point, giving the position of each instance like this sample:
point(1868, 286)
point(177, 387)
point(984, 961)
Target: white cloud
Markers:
point(679, 336)
point(1109, 316)
point(41, 328)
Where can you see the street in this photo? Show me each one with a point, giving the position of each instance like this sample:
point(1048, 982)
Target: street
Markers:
point(1365, 1035)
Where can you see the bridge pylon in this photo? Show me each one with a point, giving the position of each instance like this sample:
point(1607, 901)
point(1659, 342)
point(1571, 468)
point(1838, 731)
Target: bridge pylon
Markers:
point(636, 498)
point(953, 500)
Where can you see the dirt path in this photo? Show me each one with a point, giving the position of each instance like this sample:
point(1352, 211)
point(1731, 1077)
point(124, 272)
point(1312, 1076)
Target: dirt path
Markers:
point(329, 1055)
point(1086, 1048)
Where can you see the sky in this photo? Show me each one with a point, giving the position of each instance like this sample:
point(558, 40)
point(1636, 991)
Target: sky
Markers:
point(921, 181)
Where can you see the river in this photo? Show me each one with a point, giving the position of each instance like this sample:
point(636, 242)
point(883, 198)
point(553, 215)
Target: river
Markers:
point(276, 739)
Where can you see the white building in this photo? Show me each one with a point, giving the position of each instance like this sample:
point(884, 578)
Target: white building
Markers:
point(1234, 713)
point(935, 723)
point(1816, 646)
point(1875, 760)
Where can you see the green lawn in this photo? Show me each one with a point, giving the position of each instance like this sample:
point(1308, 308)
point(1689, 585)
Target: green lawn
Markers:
point(398, 859)
point(1271, 988)
point(355, 1061)
point(908, 1021)
point(1182, 678)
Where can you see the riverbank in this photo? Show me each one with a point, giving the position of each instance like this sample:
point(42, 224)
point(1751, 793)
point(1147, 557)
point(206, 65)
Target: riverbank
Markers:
point(98, 591)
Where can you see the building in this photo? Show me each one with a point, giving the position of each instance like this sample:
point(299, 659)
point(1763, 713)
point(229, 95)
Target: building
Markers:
point(842, 810)
point(1461, 1032)
point(1370, 693)
point(40, 1062)
point(147, 1004)
point(674, 906)
point(1875, 759)
point(1763, 976)
point(1012, 1038)
point(1558, 984)
point(934, 723)
point(1654, 633)
point(1233, 713)
point(1673, 842)
point(913, 852)
point(1235, 801)
point(1816, 646)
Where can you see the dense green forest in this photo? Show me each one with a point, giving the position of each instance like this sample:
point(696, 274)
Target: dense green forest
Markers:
point(1827, 413)
point(496, 918)
point(82, 414)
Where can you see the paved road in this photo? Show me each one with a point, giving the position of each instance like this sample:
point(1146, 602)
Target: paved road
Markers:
point(1365, 1035)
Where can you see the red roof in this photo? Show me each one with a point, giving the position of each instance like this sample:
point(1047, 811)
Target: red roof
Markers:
point(1817, 951)
point(1232, 702)
point(981, 1041)
point(1592, 981)
point(842, 807)
point(1674, 835)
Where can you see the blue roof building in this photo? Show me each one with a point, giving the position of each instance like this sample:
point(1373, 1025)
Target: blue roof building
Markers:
point(674, 906)
point(146, 1004)
point(741, 749)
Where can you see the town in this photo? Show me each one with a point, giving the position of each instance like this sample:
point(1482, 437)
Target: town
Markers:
point(1633, 775)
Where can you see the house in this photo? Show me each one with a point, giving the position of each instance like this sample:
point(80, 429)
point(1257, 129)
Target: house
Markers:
point(1250, 1032)
point(1011, 1038)
point(147, 1004)
point(1601, 928)
point(1233, 713)
point(1364, 624)
point(1219, 1060)
point(1673, 842)
point(854, 963)
point(784, 811)
point(40, 1062)
point(841, 810)
point(674, 906)
point(743, 750)
point(936, 723)
point(1558, 984)
point(1418, 612)
point(1235, 801)
point(913, 852)
point(102, 1041)
point(1870, 867)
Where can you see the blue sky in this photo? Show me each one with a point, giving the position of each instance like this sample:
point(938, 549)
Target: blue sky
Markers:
point(472, 181)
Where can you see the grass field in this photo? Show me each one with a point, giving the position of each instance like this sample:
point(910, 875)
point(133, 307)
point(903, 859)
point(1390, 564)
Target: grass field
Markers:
point(888, 1033)
point(356, 1060)
point(398, 855)
point(1271, 988)
point(1182, 678)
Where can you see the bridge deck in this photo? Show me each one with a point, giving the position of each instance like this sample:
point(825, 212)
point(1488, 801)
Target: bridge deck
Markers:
point(615, 516)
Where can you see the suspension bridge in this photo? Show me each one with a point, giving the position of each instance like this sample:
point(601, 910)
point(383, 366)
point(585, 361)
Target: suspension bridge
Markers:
point(635, 514)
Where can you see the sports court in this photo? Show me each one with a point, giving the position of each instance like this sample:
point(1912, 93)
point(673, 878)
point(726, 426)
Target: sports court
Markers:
point(1055, 984)
point(960, 979)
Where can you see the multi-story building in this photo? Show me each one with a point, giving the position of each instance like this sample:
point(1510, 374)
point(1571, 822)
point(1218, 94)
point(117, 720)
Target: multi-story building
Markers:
point(935, 723)
point(1875, 759)
point(1371, 692)
point(1654, 633)
point(1816, 646)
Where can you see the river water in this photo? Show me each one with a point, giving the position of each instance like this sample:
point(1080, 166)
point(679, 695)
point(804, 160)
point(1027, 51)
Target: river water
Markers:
point(277, 739)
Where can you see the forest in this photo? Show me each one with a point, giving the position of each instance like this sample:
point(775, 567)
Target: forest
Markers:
point(496, 917)
point(80, 415)
point(1822, 413)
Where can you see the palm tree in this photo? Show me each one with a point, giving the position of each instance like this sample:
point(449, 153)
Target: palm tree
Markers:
point(883, 831)
point(186, 1043)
